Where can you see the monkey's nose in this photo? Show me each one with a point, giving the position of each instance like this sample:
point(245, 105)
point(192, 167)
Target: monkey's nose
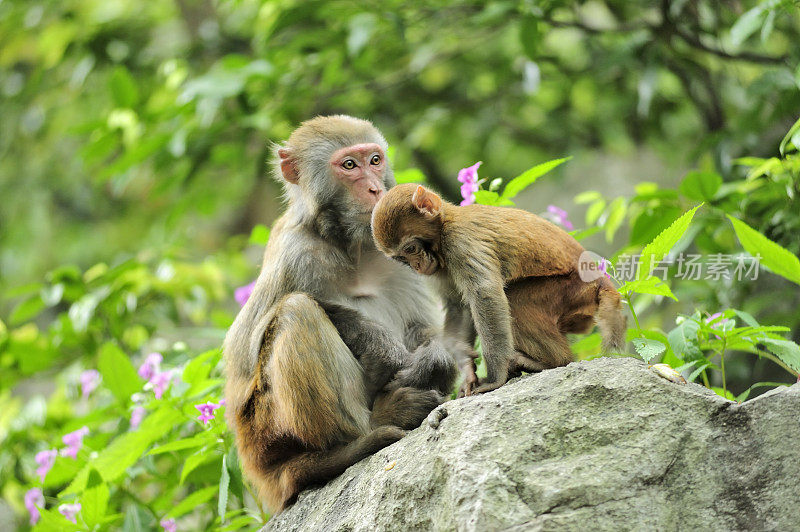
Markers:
point(377, 192)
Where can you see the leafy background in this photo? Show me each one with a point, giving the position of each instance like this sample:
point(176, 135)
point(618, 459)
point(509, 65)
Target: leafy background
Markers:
point(133, 164)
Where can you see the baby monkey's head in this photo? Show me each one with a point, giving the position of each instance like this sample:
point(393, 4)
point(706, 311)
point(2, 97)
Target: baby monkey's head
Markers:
point(407, 226)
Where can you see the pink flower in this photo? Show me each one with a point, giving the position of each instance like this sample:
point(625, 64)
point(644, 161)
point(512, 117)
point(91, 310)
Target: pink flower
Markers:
point(560, 216)
point(169, 525)
point(717, 324)
point(74, 442)
point(137, 415)
point(242, 294)
point(90, 379)
point(34, 499)
point(207, 411)
point(150, 366)
point(469, 176)
point(45, 459)
point(159, 383)
point(70, 511)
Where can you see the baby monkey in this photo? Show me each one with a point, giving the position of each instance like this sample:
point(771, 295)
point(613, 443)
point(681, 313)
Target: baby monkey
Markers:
point(507, 274)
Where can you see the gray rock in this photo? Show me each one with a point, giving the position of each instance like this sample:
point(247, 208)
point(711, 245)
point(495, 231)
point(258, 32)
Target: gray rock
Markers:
point(599, 445)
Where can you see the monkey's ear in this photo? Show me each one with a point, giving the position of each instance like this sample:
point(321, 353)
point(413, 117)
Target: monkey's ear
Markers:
point(426, 202)
point(288, 165)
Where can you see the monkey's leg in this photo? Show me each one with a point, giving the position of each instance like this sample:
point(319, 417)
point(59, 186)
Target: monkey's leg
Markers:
point(317, 467)
point(307, 395)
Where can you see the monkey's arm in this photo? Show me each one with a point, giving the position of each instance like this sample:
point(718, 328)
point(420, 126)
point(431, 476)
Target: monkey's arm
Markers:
point(379, 352)
point(492, 317)
point(476, 274)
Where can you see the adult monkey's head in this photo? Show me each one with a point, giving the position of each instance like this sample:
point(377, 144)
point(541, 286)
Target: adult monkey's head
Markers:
point(336, 165)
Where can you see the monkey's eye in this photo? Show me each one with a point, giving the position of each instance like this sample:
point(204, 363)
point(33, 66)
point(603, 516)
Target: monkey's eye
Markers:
point(376, 160)
point(411, 249)
point(349, 164)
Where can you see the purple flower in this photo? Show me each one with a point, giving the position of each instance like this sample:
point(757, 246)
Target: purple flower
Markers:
point(560, 216)
point(34, 499)
point(90, 379)
point(150, 366)
point(74, 442)
point(160, 382)
point(469, 176)
point(207, 411)
point(137, 416)
point(242, 294)
point(45, 459)
point(70, 511)
point(169, 525)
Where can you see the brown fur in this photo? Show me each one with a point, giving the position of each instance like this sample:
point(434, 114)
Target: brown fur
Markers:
point(480, 250)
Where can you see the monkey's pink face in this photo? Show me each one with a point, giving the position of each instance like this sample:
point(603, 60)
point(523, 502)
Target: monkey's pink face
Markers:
point(361, 168)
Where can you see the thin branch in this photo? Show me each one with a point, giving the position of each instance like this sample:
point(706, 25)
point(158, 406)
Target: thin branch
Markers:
point(751, 57)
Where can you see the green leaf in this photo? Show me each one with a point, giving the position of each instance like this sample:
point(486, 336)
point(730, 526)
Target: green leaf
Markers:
point(727, 394)
point(259, 235)
point(192, 462)
point(663, 243)
point(198, 369)
point(204, 438)
point(594, 211)
point(652, 285)
point(529, 177)
point(26, 310)
point(530, 36)
point(790, 136)
point(681, 338)
point(700, 186)
point(745, 394)
point(94, 503)
point(224, 481)
point(647, 348)
point(192, 501)
point(123, 88)
point(781, 261)
point(125, 450)
point(488, 197)
point(616, 215)
point(787, 351)
point(746, 25)
point(118, 373)
point(697, 372)
point(588, 197)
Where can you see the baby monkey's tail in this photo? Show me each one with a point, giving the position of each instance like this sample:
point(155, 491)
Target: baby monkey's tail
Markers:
point(609, 317)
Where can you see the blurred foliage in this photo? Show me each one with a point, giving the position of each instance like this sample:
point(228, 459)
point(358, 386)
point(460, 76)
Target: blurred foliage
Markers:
point(134, 165)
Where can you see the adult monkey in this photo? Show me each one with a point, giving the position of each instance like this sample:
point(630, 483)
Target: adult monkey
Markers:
point(313, 386)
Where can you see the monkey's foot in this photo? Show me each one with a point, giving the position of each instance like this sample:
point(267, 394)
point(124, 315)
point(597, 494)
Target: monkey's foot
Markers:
point(488, 387)
point(436, 417)
point(470, 381)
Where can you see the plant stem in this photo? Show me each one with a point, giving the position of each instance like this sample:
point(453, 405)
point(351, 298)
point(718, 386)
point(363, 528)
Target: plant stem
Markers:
point(705, 379)
point(722, 366)
point(633, 313)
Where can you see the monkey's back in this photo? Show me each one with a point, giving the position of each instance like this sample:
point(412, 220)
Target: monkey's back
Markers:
point(522, 243)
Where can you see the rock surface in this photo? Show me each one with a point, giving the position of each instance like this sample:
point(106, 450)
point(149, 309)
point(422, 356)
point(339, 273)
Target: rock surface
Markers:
point(599, 445)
